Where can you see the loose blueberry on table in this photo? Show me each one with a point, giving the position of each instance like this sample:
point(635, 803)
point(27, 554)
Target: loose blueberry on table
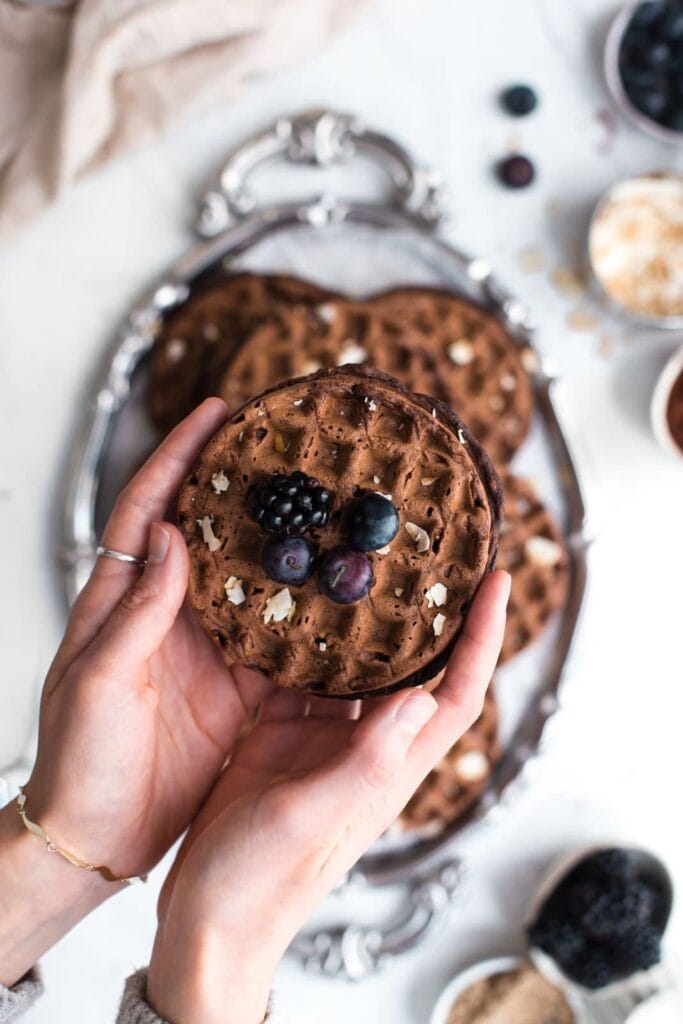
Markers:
point(290, 505)
point(516, 171)
point(288, 560)
point(519, 100)
point(372, 522)
point(345, 575)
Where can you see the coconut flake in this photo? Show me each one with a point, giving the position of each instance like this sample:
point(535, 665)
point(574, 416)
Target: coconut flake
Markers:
point(322, 646)
point(543, 551)
point(461, 352)
point(209, 537)
point(437, 595)
point(220, 482)
point(472, 766)
point(234, 590)
point(352, 353)
point(420, 536)
point(398, 591)
point(371, 404)
point(508, 382)
point(383, 495)
point(298, 402)
point(311, 366)
point(427, 481)
point(382, 551)
point(461, 436)
point(280, 606)
point(438, 624)
point(326, 312)
point(211, 332)
point(529, 360)
point(376, 479)
point(176, 349)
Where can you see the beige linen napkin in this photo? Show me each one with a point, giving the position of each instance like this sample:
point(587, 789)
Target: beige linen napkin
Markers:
point(81, 84)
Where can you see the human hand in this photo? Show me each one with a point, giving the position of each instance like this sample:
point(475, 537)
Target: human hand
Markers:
point(304, 795)
point(138, 710)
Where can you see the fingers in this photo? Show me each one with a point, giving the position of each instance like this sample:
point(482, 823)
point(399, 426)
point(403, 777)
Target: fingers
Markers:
point(284, 705)
point(328, 707)
point(138, 625)
point(144, 500)
point(461, 693)
point(403, 736)
point(147, 496)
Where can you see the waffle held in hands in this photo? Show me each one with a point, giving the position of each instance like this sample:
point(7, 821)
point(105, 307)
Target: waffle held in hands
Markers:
point(338, 528)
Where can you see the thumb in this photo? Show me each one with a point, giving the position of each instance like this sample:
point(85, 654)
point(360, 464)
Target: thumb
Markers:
point(372, 769)
point(140, 622)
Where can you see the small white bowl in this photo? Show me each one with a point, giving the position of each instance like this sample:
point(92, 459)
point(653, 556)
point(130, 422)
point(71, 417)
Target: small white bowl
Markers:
point(666, 1006)
point(660, 404)
point(669, 323)
point(616, 85)
point(485, 969)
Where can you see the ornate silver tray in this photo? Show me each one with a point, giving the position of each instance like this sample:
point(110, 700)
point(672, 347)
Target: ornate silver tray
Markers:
point(357, 247)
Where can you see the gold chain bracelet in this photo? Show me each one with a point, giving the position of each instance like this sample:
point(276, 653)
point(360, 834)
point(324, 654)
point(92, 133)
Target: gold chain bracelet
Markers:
point(39, 831)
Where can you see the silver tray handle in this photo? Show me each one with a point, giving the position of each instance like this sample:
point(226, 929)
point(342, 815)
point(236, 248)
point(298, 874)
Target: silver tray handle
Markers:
point(354, 953)
point(319, 138)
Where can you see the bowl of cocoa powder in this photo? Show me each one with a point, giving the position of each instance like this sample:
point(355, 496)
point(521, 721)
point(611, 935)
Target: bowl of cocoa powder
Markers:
point(508, 990)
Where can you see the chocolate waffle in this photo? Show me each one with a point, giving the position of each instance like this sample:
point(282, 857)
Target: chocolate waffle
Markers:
point(454, 786)
point(533, 551)
point(434, 342)
point(196, 339)
point(352, 429)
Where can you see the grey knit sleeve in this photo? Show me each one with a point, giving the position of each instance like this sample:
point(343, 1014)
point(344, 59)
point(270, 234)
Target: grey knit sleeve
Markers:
point(16, 1000)
point(134, 1007)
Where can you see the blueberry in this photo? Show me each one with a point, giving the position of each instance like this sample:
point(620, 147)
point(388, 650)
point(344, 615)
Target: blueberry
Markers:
point(674, 119)
point(657, 56)
point(345, 575)
point(516, 171)
point(287, 560)
point(650, 100)
point(671, 28)
point(519, 100)
point(648, 14)
point(372, 522)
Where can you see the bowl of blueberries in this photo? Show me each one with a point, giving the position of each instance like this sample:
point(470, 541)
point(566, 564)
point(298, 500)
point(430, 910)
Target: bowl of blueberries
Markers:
point(644, 66)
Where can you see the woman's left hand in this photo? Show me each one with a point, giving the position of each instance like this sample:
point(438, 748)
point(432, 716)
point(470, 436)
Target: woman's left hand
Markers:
point(138, 711)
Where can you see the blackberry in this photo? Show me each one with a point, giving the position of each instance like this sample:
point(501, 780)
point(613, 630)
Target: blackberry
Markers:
point(593, 971)
point(621, 910)
point(610, 862)
point(639, 951)
point(288, 506)
point(560, 939)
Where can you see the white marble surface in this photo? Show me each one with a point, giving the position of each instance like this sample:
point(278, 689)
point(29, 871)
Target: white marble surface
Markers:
point(427, 72)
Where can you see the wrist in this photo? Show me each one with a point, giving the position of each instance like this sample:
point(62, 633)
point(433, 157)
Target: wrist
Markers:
point(42, 896)
point(199, 974)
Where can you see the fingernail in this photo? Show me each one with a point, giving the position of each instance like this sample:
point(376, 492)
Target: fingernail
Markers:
point(158, 543)
point(415, 711)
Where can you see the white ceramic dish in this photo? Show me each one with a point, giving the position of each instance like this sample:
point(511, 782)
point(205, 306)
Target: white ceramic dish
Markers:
point(641, 319)
point(484, 969)
point(666, 1008)
point(660, 404)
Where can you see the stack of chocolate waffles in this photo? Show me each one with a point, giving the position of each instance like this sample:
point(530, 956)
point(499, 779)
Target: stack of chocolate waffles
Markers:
point(241, 335)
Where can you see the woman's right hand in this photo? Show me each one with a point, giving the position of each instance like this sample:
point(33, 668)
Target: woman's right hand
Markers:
point(302, 798)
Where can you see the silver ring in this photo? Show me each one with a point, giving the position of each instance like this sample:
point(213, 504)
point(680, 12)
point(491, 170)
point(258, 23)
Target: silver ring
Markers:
point(120, 556)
